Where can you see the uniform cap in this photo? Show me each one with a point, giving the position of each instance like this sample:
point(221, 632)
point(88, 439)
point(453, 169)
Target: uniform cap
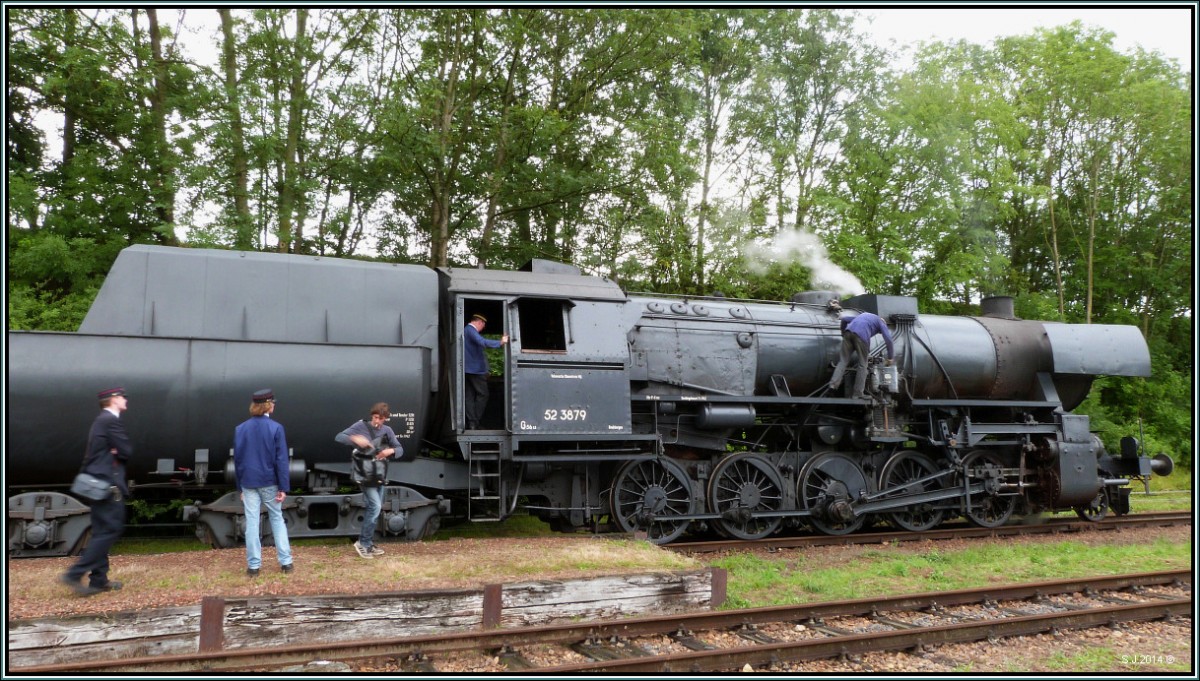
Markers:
point(263, 396)
point(111, 392)
point(479, 317)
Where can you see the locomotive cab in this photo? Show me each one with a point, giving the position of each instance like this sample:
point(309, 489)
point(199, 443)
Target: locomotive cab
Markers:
point(558, 410)
point(566, 348)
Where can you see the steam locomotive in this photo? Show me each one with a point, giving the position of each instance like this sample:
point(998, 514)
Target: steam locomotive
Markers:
point(652, 414)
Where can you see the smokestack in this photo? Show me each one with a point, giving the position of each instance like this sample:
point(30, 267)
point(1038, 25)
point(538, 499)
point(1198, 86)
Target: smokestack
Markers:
point(998, 306)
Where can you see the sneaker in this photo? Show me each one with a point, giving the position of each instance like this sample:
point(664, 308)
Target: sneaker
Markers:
point(251, 572)
point(107, 586)
point(376, 551)
point(363, 551)
point(286, 568)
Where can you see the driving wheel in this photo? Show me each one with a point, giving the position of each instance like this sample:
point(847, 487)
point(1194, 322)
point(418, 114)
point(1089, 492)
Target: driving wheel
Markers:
point(829, 484)
point(644, 489)
point(901, 473)
point(741, 485)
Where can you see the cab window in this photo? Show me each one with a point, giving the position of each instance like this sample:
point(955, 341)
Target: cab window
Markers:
point(543, 324)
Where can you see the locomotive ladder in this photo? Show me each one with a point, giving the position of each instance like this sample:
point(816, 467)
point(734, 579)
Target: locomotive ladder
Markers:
point(488, 489)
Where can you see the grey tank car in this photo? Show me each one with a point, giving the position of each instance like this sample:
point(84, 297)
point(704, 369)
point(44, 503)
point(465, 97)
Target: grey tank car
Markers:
point(650, 414)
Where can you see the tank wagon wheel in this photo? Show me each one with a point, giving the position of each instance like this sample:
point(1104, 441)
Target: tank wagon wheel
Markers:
point(900, 470)
point(80, 545)
point(642, 489)
point(987, 509)
point(1097, 510)
point(739, 485)
point(828, 484)
point(205, 534)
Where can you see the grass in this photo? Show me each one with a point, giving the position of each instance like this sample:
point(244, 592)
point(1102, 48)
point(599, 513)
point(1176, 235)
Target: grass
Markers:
point(1179, 480)
point(514, 526)
point(1168, 500)
point(1090, 660)
point(140, 546)
point(756, 581)
point(1107, 659)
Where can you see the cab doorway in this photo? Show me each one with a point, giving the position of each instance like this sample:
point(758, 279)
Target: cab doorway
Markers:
point(481, 398)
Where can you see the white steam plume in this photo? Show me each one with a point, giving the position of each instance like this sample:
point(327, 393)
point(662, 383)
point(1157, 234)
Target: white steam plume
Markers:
point(805, 248)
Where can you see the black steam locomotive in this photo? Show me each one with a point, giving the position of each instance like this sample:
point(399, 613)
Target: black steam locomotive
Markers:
point(651, 414)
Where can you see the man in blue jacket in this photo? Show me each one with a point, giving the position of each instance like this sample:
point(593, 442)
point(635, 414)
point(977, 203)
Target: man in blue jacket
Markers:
point(856, 338)
point(475, 366)
point(260, 461)
point(108, 448)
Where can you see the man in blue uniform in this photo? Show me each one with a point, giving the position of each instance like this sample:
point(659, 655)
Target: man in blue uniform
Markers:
point(108, 448)
point(856, 338)
point(260, 461)
point(475, 366)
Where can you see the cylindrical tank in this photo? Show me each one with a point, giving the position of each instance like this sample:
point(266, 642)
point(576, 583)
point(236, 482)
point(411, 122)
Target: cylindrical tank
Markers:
point(191, 333)
point(189, 394)
point(798, 342)
point(973, 357)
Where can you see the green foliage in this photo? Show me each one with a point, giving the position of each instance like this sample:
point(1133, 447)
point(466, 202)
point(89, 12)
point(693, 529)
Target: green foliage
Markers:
point(31, 309)
point(1156, 410)
point(143, 511)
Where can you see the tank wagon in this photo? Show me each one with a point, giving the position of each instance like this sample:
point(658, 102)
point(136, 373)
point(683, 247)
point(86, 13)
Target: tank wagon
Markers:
point(614, 412)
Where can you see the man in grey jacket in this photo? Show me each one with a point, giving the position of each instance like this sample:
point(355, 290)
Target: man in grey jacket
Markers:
point(374, 440)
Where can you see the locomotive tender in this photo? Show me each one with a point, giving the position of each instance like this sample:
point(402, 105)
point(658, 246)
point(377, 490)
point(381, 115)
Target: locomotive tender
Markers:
point(654, 414)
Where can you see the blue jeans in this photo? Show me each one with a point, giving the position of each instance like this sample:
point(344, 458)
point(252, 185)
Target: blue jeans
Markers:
point(253, 499)
point(373, 496)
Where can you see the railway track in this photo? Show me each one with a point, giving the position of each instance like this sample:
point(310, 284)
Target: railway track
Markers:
point(1046, 526)
point(726, 640)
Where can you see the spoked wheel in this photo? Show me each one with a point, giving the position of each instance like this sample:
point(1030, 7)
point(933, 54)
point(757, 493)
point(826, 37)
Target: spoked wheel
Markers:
point(1097, 510)
point(644, 489)
point(828, 484)
point(988, 508)
point(741, 485)
point(900, 473)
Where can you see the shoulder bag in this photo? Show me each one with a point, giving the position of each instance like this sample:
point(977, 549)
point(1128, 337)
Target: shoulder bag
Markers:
point(92, 488)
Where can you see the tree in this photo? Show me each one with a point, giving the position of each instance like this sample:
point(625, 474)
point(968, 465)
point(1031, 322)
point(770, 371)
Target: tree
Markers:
point(815, 71)
point(107, 190)
point(243, 232)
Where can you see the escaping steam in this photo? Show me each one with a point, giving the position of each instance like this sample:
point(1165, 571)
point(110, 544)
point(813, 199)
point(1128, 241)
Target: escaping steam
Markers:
point(798, 246)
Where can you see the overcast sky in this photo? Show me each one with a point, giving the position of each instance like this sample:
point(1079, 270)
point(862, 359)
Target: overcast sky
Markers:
point(1167, 27)
point(1166, 30)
